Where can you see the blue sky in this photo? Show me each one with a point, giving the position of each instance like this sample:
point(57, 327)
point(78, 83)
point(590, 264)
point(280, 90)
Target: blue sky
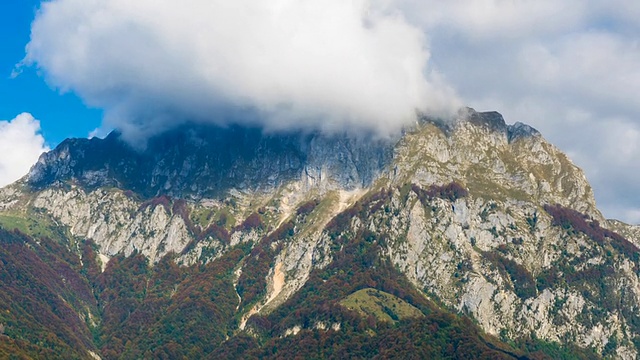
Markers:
point(569, 68)
point(61, 115)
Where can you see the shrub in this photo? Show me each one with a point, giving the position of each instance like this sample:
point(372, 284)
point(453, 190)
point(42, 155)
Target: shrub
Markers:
point(163, 200)
point(253, 221)
point(307, 207)
point(451, 192)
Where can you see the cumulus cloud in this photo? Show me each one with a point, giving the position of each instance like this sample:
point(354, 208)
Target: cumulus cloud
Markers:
point(282, 64)
point(20, 146)
point(570, 68)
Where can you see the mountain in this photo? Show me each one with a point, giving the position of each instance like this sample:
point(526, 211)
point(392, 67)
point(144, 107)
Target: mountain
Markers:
point(468, 238)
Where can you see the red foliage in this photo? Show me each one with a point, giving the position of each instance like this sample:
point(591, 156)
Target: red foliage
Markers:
point(180, 208)
point(574, 220)
point(253, 221)
point(216, 231)
point(163, 200)
point(42, 291)
point(307, 207)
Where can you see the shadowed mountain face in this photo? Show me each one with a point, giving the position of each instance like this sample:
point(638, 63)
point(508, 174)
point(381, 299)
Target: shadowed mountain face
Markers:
point(196, 161)
point(463, 239)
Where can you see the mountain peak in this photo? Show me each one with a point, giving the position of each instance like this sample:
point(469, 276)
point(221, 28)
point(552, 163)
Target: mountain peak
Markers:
point(493, 120)
point(488, 218)
point(520, 130)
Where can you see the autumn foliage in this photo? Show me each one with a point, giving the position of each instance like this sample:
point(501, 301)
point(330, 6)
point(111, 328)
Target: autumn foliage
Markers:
point(573, 220)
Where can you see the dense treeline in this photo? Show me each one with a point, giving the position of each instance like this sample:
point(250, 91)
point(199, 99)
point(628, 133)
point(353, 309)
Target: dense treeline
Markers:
point(41, 295)
point(307, 207)
point(137, 311)
point(253, 221)
point(167, 311)
point(196, 314)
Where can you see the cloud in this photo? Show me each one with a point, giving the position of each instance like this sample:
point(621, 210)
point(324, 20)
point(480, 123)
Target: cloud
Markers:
point(20, 146)
point(569, 68)
point(479, 20)
point(282, 64)
point(596, 68)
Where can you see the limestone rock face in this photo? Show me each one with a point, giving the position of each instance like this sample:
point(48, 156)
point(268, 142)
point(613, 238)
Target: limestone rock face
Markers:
point(493, 252)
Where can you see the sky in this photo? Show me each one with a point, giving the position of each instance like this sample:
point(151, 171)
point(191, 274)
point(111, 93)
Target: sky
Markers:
point(570, 68)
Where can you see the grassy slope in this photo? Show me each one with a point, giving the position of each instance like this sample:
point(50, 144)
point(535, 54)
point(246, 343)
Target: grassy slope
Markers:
point(381, 305)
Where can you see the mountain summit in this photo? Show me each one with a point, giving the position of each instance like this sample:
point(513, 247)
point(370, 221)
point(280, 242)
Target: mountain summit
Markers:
point(468, 237)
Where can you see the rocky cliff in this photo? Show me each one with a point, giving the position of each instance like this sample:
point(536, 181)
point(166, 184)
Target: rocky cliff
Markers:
point(203, 161)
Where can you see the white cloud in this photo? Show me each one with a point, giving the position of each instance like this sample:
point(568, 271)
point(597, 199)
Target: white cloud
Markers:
point(20, 146)
point(329, 64)
point(570, 68)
